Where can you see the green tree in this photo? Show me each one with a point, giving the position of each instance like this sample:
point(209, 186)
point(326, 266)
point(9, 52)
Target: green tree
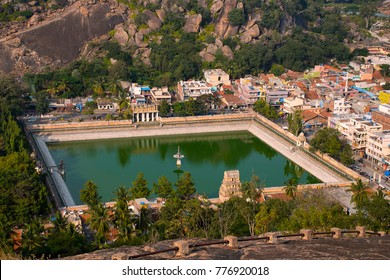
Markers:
point(236, 17)
point(316, 211)
point(185, 186)
point(291, 188)
point(272, 214)
point(140, 187)
point(249, 203)
point(90, 107)
point(163, 188)
point(265, 109)
point(164, 109)
point(327, 140)
point(367, 11)
point(90, 195)
point(277, 69)
point(295, 122)
point(377, 212)
point(12, 95)
point(100, 223)
point(42, 103)
point(123, 218)
point(32, 240)
point(359, 194)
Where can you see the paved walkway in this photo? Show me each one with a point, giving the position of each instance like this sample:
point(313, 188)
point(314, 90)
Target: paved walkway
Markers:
point(59, 182)
point(320, 171)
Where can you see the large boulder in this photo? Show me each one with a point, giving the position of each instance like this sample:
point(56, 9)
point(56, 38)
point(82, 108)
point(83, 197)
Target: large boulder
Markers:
point(216, 6)
point(206, 56)
point(120, 35)
point(246, 38)
point(211, 48)
point(34, 20)
point(193, 23)
point(153, 22)
point(254, 31)
point(222, 23)
point(132, 29)
point(226, 51)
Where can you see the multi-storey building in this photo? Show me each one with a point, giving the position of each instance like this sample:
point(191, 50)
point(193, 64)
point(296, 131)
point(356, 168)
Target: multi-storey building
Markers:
point(192, 89)
point(291, 104)
point(250, 91)
point(276, 97)
point(378, 149)
point(341, 107)
point(354, 129)
point(160, 94)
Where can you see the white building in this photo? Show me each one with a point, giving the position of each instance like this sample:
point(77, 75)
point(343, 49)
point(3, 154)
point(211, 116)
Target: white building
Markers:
point(341, 107)
point(192, 89)
point(354, 129)
point(378, 149)
point(216, 77)
point(160, 94)
point(291, 104)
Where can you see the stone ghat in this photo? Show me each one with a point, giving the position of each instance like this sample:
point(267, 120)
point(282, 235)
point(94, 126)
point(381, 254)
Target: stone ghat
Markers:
point(336, 244)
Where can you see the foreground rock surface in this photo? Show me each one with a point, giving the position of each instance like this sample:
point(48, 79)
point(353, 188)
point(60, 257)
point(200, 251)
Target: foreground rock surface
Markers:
point(372, 248)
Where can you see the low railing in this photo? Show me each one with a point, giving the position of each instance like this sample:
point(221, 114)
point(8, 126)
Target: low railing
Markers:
point(184, 247)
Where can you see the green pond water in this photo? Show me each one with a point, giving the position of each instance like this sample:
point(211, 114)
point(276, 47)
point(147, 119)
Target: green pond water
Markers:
point(116, 162)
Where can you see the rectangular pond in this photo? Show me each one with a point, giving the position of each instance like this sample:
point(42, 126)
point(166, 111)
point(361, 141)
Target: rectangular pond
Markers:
point(116, 162)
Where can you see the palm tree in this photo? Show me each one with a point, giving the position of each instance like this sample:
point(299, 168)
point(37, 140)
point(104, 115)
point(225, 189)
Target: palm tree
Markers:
point(100, 222)
point(52, 90)
point(60, 223)
point(31, 238)
point(122, 215)
point(63, 87)
point(114, 87)
point(291, 188)
point(359, 193)
point(98, 87)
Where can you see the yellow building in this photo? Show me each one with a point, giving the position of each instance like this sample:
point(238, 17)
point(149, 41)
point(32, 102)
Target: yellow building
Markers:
point(384, 97)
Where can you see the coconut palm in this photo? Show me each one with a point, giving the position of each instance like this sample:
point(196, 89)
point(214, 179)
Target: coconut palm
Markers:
point(63, 87)
point(291, 188)
point(359, 193)
point(122, 215)
point(98, 87)
point(114, 87)
point(100, 222)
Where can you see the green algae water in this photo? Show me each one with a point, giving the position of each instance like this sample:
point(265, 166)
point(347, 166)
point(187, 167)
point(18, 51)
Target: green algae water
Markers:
point(116, 162)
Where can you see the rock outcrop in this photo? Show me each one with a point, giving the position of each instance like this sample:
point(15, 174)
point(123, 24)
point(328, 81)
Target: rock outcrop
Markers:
point(371, 248)
point(120, 35)
point(58, 40)
point(193, 23)
point(153, 22)
point(223, 28)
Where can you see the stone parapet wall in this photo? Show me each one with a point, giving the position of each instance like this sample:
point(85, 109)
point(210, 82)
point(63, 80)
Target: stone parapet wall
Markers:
point(79, 125)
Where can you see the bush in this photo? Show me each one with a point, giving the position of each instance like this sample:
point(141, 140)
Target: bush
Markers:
point(236, 17)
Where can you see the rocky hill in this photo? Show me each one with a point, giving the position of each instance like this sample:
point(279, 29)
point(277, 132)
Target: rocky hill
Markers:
point(52, 33)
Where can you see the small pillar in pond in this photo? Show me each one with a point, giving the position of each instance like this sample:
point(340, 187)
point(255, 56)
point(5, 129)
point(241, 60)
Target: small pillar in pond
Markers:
point(178, 156)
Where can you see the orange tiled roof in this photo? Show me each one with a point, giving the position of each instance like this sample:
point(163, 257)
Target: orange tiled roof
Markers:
point(312, 95)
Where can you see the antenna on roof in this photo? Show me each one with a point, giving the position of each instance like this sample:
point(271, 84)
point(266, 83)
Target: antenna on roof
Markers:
point(346, 84)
